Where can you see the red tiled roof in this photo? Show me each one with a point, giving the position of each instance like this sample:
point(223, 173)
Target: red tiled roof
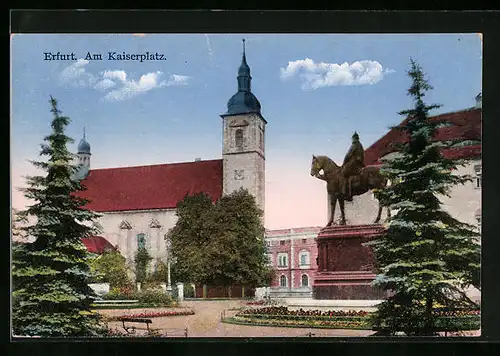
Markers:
point(151, 187)
point(466, 125)
point(97, 244)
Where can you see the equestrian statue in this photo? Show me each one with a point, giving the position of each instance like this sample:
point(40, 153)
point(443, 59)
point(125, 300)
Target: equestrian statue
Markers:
point(351, 179)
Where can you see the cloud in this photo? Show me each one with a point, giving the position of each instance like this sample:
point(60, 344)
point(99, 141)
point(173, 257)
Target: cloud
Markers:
point(115, 74)
point(105, 84)
point(176, 79)
point(131, 88)
point(318, 75)
point(116, 83)
point(75, 74)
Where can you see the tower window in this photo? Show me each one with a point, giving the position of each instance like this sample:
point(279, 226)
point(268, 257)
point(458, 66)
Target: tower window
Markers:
point(239, 138)
point(283, 281)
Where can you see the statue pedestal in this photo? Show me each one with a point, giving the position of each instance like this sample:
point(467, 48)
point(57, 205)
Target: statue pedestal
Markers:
point(345, 266)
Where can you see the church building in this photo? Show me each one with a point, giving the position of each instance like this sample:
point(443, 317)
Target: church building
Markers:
point(138, 204)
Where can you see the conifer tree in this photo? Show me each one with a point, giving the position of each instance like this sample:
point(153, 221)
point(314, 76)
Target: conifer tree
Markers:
point(51, 294)
point(426, 256)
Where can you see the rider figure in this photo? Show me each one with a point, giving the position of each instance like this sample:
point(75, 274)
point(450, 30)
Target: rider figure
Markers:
point(354, 161)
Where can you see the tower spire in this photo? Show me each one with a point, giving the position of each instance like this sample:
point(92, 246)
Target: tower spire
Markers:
point(84, 133)
point(244, 55)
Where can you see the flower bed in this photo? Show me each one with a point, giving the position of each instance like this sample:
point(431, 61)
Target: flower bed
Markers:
point(284, 311)
point(152, 315)
point(323, 324)
point(450, 320)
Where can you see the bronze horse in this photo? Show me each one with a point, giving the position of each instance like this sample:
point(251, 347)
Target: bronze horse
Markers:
point(369, 178)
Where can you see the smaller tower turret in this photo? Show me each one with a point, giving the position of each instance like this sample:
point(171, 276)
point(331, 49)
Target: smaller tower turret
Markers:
point(83, 156)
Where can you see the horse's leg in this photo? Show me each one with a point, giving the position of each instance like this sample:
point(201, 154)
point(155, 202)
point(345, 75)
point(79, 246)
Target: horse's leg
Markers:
point(342, 212)
point(333, 203)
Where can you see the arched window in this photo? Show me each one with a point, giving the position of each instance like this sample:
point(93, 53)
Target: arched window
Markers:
point(141, 241)
point(283, 281)
point(305, 280)
point(238, 136)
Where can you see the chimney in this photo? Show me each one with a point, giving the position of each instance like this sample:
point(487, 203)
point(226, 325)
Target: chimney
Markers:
point(479, 101)
point(198, 159)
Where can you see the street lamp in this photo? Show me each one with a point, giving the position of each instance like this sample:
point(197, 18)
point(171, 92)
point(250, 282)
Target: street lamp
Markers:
point(168, 245)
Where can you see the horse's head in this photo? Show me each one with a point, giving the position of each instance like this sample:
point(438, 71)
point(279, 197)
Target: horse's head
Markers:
point(316, 166)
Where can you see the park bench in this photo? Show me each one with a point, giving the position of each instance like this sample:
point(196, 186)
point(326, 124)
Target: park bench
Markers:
point(132, 329)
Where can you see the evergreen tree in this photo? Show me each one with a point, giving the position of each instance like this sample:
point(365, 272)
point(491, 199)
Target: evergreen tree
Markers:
point(142, 260)
point(18, 221)
point(52, 297)
point(426, 256)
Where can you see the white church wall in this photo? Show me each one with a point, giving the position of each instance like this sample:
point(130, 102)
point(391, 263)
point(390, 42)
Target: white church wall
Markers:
point(139, 222)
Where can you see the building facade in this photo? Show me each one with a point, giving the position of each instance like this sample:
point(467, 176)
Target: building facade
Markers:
point(137, 204)
point(293, 253)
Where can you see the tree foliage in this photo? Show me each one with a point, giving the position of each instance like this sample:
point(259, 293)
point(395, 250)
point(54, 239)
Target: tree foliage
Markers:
point(51, 294)
point(221, 243)
point(142, 259)
point(111, 267)
point(426, 256)
point(18, 221)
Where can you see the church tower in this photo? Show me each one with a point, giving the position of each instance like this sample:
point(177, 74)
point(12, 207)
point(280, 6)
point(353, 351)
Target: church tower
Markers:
point(243, 150)
point(83, 158)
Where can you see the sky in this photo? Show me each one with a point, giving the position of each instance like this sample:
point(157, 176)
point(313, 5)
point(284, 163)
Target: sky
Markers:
point(315, 91)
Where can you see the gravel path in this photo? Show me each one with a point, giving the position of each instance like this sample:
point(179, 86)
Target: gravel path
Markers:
point(207, 323)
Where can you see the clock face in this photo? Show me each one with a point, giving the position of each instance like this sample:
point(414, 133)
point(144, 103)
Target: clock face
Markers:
point(238, 174)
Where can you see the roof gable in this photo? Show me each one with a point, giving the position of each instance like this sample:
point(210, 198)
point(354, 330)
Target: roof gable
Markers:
point(150, 187)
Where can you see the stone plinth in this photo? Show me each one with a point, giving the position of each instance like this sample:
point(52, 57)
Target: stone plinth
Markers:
point(346, 268)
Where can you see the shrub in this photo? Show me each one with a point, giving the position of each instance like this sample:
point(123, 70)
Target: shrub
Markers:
point(188, 291)
point(110, 267)
point(154, 297)
point(123, 293)
point(160, 272)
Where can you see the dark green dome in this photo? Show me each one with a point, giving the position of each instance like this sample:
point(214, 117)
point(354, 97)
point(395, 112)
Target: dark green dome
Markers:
point(243, 102)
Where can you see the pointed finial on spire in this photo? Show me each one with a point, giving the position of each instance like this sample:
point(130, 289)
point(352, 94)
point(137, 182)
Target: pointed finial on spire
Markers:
point(84, 133)
point(244, 54)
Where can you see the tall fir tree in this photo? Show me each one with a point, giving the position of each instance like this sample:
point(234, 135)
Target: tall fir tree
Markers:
point(426, 256)
point(51, 294)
